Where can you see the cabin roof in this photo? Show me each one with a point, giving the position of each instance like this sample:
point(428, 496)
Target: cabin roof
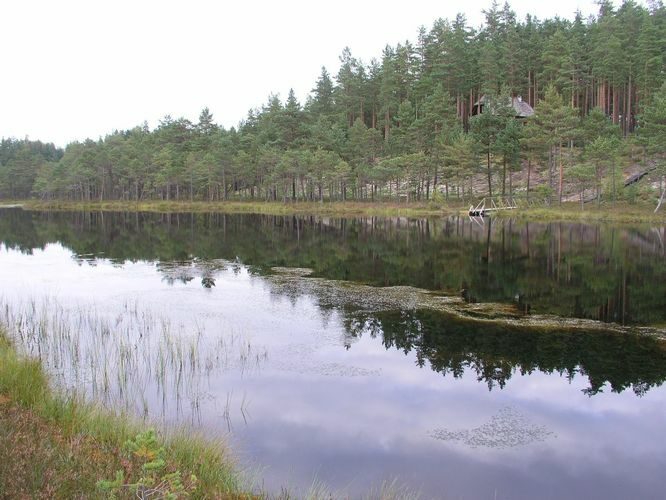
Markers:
point(522, 108)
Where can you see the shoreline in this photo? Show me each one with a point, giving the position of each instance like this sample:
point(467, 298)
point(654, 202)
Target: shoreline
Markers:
point(570, 211)
point(81, 446)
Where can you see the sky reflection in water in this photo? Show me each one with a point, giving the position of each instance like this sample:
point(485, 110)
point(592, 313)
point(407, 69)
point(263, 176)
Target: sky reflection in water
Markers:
point(306, 406)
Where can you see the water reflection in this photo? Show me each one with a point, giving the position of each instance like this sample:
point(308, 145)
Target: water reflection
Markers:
point(601, 272)
point(494, 353)
point(313, 377)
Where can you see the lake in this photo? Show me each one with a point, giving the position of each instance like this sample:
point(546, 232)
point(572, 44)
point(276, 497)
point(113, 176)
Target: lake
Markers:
point(449, 357)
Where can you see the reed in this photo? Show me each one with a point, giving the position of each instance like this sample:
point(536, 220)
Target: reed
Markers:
point(56, 445)
point(129, 359)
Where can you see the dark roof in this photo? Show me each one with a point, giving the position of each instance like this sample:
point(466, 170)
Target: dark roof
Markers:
point(522, 108)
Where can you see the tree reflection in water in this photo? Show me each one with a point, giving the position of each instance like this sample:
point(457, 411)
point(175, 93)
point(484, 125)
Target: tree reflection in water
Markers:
point(495, 353)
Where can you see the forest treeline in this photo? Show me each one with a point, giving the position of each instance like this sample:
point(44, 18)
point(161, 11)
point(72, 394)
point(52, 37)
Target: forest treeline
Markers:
point(405, 126)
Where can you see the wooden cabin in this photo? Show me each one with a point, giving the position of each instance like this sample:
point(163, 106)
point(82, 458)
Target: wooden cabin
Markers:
point(522, 109)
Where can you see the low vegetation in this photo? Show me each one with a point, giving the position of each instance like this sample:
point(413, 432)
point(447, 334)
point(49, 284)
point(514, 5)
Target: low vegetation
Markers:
point(622, 211)
point(53, 446)
point(340, 209)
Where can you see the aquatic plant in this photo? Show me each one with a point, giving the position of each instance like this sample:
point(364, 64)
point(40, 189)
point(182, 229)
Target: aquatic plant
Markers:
point(127, 358)
point(79, 444)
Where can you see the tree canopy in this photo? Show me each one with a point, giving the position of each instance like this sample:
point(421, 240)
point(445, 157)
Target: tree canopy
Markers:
point(402, 126)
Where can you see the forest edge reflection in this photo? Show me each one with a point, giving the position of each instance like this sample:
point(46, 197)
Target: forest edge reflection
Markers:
point(445, 256)
point(600, 272)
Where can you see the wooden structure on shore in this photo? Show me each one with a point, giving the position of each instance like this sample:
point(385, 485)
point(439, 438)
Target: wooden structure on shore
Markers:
point(633, 179)
point(481, 210)
point(637, 177)
point(521, 108)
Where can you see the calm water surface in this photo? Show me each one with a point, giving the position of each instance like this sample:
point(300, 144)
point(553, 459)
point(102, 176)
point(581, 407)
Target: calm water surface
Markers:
point(308, 343)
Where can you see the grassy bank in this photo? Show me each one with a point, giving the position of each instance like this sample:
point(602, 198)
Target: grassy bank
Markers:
point(619, 212)
point(57, 447)
point(335, 208)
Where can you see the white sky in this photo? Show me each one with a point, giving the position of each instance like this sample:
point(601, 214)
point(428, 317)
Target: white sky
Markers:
point(81, 68)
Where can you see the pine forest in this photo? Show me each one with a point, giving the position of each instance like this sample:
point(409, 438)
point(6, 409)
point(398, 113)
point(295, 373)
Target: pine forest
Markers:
point(550, 109)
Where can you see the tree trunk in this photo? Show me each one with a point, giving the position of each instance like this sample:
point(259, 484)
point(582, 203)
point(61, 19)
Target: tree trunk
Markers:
point(504, 177)
point(661, 198)
point(561, 172)
point(490, 188)
point(529, 171)
point(587, 100)
point(550, 167)
point(628, 113)
point(387, 127)
point(613, 180)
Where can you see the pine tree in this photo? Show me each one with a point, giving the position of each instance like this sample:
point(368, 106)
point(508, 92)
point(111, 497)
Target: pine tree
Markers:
point(652, 133)
point(487, 127)
point(322, 99)
point(557, 122)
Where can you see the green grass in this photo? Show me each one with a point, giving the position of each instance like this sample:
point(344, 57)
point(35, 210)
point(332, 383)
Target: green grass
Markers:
point(54, 446)
point(622, 211)
point(335, 208)
point(606, 212)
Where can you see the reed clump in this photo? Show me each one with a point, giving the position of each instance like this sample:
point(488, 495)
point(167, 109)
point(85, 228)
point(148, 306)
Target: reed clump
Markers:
point(54, 445)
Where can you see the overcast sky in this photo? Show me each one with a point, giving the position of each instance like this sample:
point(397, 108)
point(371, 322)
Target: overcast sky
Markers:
point(77, 69)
